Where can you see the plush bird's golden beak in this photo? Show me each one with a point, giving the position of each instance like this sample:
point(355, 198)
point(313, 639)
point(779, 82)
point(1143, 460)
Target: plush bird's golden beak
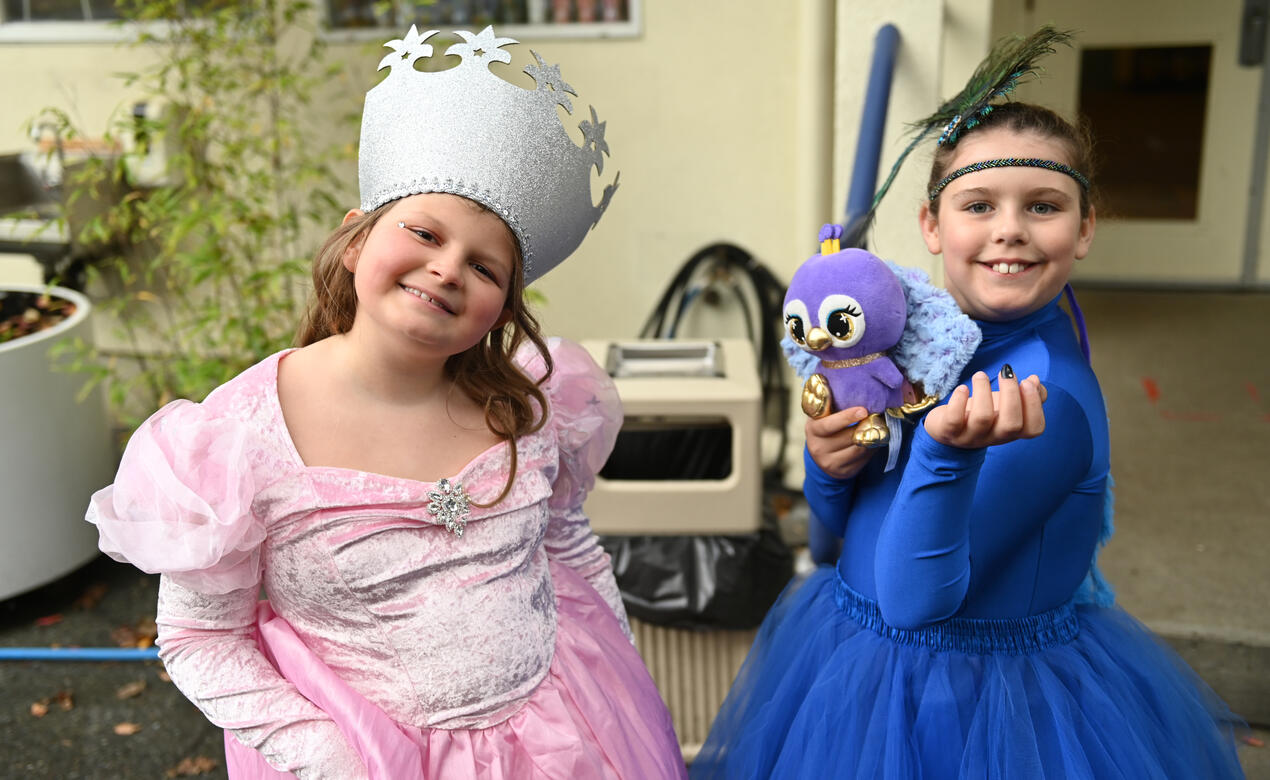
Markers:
point(817, 339)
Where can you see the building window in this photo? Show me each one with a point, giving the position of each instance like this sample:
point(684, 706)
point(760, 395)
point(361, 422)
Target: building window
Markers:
point(81, 21)
point(59, 10)
point(565, 17)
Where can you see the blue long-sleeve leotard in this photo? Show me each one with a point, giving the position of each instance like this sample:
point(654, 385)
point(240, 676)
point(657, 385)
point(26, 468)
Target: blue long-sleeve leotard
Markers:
point(1005, 531)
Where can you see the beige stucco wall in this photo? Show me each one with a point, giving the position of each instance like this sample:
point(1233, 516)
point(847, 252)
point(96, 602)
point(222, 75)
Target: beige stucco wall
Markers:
point(713, 121)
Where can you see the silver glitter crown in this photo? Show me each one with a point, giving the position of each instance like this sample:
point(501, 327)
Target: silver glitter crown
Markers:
point(468, 132)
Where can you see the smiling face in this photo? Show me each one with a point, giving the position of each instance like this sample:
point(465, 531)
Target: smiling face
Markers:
point(435, 270)
point(1009, 236)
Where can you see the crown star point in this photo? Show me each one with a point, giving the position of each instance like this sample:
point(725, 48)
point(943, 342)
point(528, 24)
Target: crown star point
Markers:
point(549, 81)
point(408, 49)
point(593, 139)
point(483, 47)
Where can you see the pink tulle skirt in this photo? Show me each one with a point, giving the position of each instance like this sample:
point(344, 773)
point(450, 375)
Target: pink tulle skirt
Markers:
point(597, 714)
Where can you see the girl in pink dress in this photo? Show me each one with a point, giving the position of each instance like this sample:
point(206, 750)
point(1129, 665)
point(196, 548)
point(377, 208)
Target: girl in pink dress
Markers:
point(407, 484)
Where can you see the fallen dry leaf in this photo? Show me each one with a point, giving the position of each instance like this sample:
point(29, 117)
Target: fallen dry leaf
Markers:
point(198, 765)
point(124, 636)
point(131, 690)
point(48, 620)
point(163, 675)
point(146, 627)
point(141, 635)
point(91, 596)
point(65, 701)
point(127, 729)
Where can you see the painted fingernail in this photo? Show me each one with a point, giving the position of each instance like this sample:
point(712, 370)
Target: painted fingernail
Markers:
point(1007, 372)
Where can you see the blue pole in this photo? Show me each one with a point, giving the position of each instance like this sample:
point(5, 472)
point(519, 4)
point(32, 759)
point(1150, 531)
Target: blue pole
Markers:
point(868, 150)
point(79, 654)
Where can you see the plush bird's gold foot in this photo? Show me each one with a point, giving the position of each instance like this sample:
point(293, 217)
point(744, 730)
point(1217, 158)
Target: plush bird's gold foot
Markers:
point(817, 400)
point(916, 400)
point(915, 408)
point(871, 432)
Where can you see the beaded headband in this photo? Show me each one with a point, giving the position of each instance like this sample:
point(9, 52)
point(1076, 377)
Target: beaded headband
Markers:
point(467, 132)
point(1011, 162)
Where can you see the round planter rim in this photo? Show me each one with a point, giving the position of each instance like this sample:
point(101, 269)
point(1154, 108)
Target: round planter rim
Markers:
point(82, 307)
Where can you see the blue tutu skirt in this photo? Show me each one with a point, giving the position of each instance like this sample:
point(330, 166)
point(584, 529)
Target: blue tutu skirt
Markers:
point(831, 691)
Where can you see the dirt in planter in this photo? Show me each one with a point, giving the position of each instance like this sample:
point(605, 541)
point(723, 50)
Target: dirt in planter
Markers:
point(23, 313)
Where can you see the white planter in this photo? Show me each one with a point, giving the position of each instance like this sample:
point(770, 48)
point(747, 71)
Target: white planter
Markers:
point(55, 452)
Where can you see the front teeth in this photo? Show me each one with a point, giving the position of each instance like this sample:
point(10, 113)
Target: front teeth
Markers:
point(420, 294)
point(1007, 268)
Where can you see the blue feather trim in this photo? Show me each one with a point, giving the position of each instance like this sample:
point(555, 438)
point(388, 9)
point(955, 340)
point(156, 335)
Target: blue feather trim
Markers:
point(804, 363)
point(1095, 589)
point(938, 340)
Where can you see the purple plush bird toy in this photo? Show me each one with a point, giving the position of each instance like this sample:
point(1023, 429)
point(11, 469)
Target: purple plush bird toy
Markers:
point(847, 308)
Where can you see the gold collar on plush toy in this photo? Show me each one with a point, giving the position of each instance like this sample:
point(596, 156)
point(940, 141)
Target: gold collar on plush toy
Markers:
point(852, 362)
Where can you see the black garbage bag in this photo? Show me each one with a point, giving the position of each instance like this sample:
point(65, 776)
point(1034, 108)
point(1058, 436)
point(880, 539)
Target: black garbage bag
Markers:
point(700, 582)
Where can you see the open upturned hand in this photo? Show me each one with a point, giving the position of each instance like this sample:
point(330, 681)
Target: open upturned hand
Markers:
point(984, 417)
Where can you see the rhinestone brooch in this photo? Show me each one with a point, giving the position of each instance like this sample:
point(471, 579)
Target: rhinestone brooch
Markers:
point(451, 505)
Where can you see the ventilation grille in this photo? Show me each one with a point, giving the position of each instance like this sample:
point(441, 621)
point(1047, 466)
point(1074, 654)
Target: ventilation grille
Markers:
point(693, 671)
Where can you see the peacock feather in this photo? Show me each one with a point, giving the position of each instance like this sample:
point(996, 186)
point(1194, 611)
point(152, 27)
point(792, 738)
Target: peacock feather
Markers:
point(1011, 62)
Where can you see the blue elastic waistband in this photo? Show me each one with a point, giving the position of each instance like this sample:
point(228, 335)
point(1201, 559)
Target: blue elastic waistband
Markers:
point(1015, 636)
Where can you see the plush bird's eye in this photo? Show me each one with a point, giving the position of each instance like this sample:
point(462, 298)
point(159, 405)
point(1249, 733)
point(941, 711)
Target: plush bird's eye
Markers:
point(839, 324)
point(843, 319)
point(796, 321)
point(797, 330)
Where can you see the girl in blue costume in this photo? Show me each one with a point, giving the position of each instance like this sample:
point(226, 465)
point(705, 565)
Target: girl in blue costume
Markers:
point(951, 639)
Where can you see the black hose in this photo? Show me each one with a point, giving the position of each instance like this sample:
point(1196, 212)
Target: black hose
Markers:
point(740, 269)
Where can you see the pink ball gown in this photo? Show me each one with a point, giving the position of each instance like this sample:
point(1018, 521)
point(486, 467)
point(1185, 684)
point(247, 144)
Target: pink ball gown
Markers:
point(390, 645)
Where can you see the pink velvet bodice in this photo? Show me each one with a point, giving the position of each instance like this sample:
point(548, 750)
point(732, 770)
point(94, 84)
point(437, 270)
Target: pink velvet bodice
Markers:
point(437, 629)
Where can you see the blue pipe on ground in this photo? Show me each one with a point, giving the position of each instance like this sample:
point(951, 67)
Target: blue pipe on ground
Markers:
point(79, 654)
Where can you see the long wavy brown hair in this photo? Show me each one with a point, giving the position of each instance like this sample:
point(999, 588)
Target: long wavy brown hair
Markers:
point(514, 405)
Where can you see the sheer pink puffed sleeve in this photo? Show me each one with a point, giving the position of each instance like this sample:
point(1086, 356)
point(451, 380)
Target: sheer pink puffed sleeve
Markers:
point(181, 502)
point(181, 507)
point(586, 413)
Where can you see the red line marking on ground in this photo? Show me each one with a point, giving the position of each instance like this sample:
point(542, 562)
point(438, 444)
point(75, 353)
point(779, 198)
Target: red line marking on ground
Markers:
point(1151, 388)
point(1252, 393)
